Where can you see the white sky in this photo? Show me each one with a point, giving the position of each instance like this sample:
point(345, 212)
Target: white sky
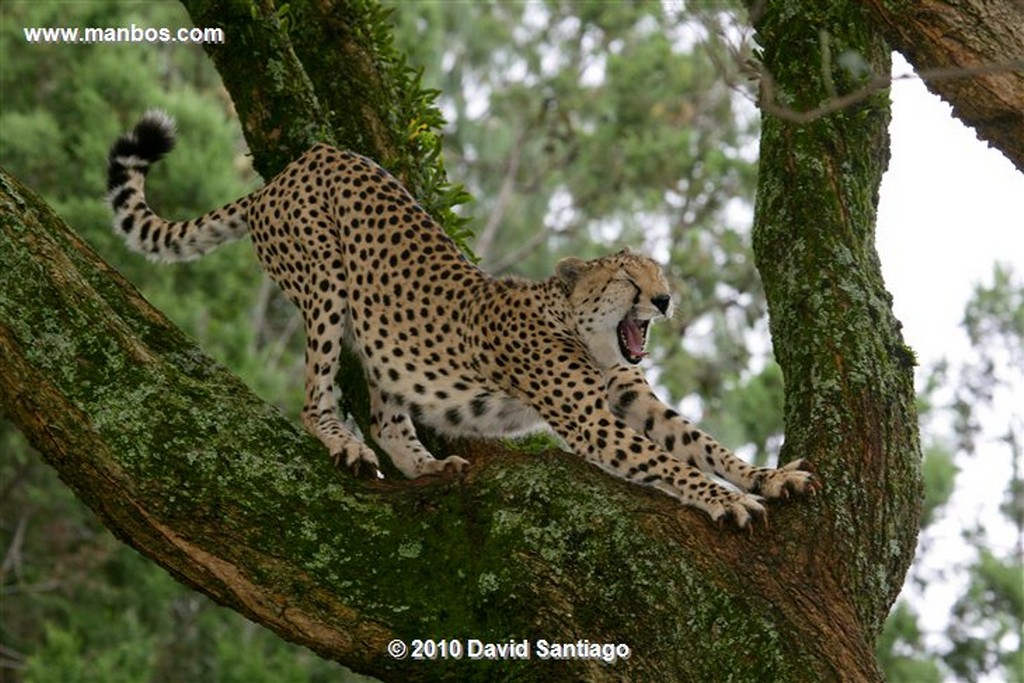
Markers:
point(950, 207)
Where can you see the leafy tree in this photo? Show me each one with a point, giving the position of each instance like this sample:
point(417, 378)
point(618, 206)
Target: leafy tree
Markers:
point(987, 628)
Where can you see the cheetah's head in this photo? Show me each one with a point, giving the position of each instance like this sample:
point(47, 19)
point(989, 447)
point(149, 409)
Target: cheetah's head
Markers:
point(614, 299)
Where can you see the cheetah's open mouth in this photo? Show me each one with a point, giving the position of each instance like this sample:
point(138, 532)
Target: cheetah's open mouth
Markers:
point(632, 338)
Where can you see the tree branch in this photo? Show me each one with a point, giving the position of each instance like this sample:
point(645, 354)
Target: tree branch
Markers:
point(769, 102)
point(975, 37)
point(183, 463)
point(848, 373)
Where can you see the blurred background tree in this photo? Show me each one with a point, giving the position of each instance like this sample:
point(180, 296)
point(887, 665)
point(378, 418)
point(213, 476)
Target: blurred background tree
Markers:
point(982, 640)
point(579, 128)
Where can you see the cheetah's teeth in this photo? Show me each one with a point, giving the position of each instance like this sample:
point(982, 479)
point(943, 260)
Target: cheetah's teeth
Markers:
point(632, 339)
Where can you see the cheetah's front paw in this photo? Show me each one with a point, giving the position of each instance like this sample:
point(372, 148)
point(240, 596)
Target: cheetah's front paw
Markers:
point(794, 477)
point(741, 508)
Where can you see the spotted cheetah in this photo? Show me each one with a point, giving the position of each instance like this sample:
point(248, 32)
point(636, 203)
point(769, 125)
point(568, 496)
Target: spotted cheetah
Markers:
point(442, 342)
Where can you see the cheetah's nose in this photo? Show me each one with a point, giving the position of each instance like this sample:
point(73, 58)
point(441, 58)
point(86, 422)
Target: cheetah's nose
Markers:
point(661, 301)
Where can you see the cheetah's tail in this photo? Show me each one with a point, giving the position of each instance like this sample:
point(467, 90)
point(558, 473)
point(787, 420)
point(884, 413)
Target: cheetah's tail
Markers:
point(144, 231)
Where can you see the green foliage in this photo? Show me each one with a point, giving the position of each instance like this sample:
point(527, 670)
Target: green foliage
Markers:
point(986, 627)
point(65, 657)
point(994, 321)
point(995, 314)
point(750, 411)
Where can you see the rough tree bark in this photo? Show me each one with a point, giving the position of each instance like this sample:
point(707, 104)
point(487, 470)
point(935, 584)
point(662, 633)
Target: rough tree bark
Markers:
point(970, 53)
point(184, 463)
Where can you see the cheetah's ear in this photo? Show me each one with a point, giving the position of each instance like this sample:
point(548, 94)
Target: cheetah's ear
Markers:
point(570, 270)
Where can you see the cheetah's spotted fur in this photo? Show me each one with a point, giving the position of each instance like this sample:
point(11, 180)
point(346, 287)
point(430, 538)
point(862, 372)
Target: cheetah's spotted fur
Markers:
point(442, 342)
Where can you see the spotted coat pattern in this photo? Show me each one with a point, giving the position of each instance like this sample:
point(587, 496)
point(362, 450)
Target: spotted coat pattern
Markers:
point(442, 342)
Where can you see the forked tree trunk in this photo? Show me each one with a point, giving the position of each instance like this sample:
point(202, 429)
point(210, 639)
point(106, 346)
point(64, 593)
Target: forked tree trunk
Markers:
point(182, 462)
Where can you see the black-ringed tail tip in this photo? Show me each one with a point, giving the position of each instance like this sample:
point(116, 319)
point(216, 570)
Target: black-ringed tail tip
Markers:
point(143, 230)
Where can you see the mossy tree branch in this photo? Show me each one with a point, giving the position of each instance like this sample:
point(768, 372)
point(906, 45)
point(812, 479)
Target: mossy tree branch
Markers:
point(970, 53)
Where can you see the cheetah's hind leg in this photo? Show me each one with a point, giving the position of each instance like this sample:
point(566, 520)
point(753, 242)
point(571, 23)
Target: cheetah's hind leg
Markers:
point(393, 430)
point(320, 412)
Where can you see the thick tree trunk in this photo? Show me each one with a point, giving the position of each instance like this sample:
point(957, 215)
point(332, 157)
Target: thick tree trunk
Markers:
point(970, 53)
point(185, 464)
point(849, 380)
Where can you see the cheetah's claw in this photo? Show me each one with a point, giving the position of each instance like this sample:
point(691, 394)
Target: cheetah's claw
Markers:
point(362, 463)
point(362, 469)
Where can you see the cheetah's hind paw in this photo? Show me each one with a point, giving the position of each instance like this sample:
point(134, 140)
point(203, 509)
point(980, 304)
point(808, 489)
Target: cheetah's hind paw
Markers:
point(363, 464)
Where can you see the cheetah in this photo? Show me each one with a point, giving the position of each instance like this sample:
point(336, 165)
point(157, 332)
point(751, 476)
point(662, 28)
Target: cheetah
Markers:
point(442, 342)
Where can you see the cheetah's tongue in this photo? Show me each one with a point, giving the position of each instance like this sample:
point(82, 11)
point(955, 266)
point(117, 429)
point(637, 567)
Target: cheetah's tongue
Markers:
point(632, 337)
